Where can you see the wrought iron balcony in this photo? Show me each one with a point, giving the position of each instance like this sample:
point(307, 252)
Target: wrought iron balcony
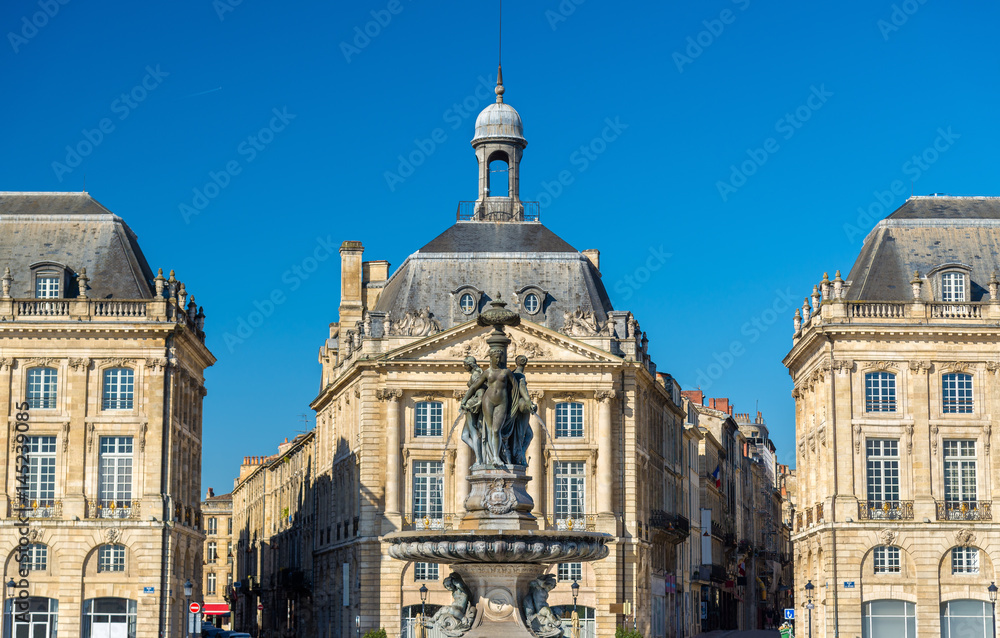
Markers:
point(578, 522)
point(113, 509)
point(675, 526)
point(964, 510)
point(885, 510)
point(424, 521)
point(499, 209)
point(38, 508)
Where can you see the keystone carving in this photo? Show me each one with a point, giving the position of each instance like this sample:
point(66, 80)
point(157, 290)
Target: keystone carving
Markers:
point(113, 534)
point(887, 537)
point(964, 537)
point(120, 362)
point(956, 366)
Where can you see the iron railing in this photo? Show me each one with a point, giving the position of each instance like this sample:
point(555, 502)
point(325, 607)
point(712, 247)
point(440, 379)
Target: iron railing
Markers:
point(113, 509)
point(499, 209)
point(964, 510)
point(885, 510)
point(426, 521)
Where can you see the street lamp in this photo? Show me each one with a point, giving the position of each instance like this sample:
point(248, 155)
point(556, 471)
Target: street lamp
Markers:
point(993, 601)
point(575, 587)
point(10, 595)
point(423, 609)
point(809, 594)
point(187, 604)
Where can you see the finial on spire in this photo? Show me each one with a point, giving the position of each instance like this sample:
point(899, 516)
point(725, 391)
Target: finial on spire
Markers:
point(499, 90)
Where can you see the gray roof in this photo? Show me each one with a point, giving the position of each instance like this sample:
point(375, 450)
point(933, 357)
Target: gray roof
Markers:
point(496, 257)
point(924, 233)
point(75, 231)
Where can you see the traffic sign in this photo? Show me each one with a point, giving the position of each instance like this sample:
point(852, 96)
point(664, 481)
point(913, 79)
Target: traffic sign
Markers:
point(260, 606)
point(194, 608)
point(789, 614)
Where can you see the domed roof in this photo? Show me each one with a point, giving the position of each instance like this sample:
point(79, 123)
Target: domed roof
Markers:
point(499, 120)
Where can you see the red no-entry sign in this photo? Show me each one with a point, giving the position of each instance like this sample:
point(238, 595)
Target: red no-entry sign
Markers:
point(194, 608)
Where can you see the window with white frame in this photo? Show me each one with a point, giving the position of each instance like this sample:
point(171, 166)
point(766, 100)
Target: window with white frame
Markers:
point(956, 393)
point(960, 471)
point(213, 552)
point(964, 560)
point(953, 287)
point(35, 557)
point(210, 583)
point(569, 420)
point(41, 453)
point(429, 419)
point(428, 489)
point(212, 526)
point(467, 303)
point(883, 471)
point(880, 392)
point(425, 571)
point(887, 560)
point(42, 388)
point(570, 490)
point(111, 558)
point(570, 572)
point(229, 553)
point(115, 478)
point(47, 286)
point(229, 526)
point(119, 389)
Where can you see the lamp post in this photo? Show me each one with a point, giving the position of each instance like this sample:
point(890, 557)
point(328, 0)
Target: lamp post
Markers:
point(187, 605)
point(10, 596)
point(357, 624)
point(993, 601)
point(575, 587)
point(423, 609)
point(809, 606)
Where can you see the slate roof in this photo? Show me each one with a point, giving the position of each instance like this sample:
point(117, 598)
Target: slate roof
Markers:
point(495, 257)
point(76, 231)
point(922, 234)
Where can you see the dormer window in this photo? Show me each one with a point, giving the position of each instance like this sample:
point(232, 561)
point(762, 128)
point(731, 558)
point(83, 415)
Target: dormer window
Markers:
point(532, 300)
point(49, 280)
point(953, 287)
point(952, 283)
point(467, 303)
point(47, 287)
point(531, 303)
point(466, 300)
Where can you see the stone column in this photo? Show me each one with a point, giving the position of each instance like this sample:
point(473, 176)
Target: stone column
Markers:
point(605, 480)
point(392, 452)
point(536, 463)
point(78, 442)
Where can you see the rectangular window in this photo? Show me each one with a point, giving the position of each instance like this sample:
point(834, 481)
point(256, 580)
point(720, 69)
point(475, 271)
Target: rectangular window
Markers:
point(213, 552)
point(953, 287)
point(229, 554)
point(111, 558)
point(883, 471)
point(570, 494)
point(211, 583)
point(428, 490)
point(960, 471)
point(425, 571)
point(964, 560)
point(956, 393)
point(119, 389)
point(42, 388)
point(886, 560)
point(570, 572)
point(880, 392)
point(212, 526)
point(569, 420)
point(229, 526)
point(46, 287)
point(429, 422)
point(35, 558)
point(115, 478)
point(41, 453)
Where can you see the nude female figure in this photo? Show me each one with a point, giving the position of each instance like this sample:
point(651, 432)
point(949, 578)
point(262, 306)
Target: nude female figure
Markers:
point(498, 382)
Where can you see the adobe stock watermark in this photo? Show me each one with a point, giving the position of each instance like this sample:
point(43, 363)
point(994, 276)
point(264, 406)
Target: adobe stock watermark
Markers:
point(714, 28)
point(248, 150)
point(562, 12)
point(363, 35)
point(455, 116)
point(629, 284)
point(292, 278)
point(122, 106)
point(913, 169)
point(33, 24)
point(752, 331)
point(899, 16)
point(787, 126)
point(580, 159)
point(23, 505)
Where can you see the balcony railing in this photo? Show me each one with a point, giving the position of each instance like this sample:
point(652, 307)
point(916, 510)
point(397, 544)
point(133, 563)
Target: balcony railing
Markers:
point(113, 509)
point(674, 525)
point(85, 309)
point(498, 209)
point(425, 521)
point(885, 510)
point(578, 522)
point(964, 510)
point(37, 508)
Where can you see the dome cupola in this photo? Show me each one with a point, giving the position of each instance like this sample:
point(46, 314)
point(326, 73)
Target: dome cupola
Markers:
point(499, 142)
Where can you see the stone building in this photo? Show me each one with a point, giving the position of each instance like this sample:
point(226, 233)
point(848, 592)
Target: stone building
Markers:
point(218, 571)
point(106, 361)
point(895, 386)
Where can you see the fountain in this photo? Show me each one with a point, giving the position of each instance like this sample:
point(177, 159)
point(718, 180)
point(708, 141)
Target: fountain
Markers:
point(498, 555)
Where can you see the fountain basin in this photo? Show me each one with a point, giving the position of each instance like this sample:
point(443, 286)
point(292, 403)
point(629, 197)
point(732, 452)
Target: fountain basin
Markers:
point(498, 546)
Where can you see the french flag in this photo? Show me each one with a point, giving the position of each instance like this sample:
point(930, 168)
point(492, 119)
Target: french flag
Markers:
point(715, 475)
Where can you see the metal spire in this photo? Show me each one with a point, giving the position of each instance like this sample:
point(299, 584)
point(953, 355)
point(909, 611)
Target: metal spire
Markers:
point(499, 90)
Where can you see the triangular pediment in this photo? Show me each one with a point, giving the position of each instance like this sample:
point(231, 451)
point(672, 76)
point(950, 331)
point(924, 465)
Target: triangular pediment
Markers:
point(530, 339)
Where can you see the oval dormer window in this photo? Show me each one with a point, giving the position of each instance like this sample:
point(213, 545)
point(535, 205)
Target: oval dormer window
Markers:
point(531, 303)
point(468, 303)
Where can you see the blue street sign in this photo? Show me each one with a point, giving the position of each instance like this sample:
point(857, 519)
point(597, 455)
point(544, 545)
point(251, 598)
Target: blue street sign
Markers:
point(789, 614)
point(848, 584)
point(147, 590)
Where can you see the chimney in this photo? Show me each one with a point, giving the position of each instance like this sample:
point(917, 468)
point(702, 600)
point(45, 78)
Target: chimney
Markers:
point(372, 272)
point(694, 396)
point(211, 492)
point(350, 285)
point(594, 256)
point(760, 418)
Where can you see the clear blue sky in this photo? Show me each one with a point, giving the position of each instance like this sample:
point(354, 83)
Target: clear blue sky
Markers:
point(828, 102)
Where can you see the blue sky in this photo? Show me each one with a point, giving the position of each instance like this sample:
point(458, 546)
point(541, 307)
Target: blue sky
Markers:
point(236, 139)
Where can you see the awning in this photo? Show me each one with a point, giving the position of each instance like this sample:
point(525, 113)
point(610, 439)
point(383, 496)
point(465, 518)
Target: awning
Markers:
point(215, 609)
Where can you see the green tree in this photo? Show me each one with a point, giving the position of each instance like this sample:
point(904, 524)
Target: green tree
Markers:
point(375, 633)
point(624, 632)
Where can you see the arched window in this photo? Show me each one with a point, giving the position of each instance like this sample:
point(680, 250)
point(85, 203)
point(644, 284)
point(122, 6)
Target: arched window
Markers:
point(428, 419)
point(499, 177)
point(111, 558)
point(886, 558)
point(42, 383)
point(880, 392)
point(119, 388)
point(888, 619)
point(569, 420)
point(966, 619)
point(956, 393)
